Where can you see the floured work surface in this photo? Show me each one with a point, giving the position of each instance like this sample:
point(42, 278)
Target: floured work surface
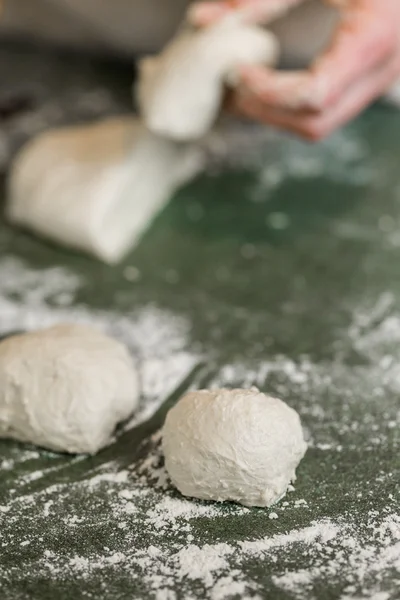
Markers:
point(282, 273)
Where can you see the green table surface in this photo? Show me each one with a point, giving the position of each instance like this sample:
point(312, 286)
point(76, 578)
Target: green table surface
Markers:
point(278, 268)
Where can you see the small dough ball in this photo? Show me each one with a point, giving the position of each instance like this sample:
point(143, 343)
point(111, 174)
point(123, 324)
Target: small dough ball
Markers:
point(237, 445)
point(65, 388)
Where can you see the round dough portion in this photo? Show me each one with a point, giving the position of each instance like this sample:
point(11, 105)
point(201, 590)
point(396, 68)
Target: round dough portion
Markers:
point(65, 388)
point(234, 445)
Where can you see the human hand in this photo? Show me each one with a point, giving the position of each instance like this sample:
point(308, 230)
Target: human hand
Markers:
point(361, 63)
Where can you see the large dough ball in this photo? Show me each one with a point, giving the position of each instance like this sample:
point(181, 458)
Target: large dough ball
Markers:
point(65, 388)
point(238, 445)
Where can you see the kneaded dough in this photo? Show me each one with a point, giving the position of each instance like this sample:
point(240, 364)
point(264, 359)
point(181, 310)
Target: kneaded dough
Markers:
point(237, 445)
point(180, 91)
point(97, 188)
point(65, 388)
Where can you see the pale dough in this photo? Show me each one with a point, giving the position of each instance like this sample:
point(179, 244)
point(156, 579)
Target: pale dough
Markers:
point(65, 388)
point(237, 445)
point(180, 91)
point(98, 187)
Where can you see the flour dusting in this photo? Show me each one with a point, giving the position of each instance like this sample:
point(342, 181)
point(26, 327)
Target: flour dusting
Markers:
point(173, 557)
point(112, 526)
point(153, 535)
point(30, 300)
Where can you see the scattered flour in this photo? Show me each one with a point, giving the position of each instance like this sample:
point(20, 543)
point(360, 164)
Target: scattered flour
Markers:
point(274, 156)
point(170, 509)
point(363, 562)
point(84, 526)
point(151, 534)
point(159, 542)
point(290, 158)
point(158, 340)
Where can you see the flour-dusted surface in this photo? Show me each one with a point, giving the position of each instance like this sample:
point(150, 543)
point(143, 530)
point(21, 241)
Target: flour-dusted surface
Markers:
point(295, 289)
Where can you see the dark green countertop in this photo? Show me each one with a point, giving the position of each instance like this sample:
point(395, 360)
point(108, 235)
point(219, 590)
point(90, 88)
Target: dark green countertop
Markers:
point(282, 272)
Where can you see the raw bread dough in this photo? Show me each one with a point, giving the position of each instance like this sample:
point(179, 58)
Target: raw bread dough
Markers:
point(65, 388)
point(97, 187)
point(180, 92)
point(238, 445)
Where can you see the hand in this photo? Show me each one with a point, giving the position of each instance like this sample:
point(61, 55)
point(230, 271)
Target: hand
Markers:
point(360, 64)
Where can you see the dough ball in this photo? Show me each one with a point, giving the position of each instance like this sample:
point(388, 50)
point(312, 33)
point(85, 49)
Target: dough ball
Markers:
point(237, 445)
point(97, 187)
point(65, 388)
point(180, 92)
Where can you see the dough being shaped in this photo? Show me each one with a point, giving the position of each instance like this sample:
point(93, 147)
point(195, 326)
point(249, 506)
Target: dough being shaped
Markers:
point(180, 92)
point(65, 388)
point(97, 188)
point(237, 445)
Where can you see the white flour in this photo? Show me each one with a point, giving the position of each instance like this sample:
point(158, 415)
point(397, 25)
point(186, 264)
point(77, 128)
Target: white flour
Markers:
point(124, 523)
point(30, 299)
point(361, 561)
point(162, 539)
point(172, 558)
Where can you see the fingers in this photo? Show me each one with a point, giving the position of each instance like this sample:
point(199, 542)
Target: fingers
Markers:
point(361, 62)
point(203, 14)
point(287, 90)
point(314, 126)
point(364, 40)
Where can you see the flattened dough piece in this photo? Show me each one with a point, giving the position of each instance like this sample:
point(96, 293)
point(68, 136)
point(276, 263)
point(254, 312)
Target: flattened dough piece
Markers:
point(97, 188)
point(65, 388)
point(180, 91)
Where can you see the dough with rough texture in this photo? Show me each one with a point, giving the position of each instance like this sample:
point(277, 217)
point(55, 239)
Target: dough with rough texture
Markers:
point(97, 188)
point(180, 92)
point(237, 445)
point(65, 388)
